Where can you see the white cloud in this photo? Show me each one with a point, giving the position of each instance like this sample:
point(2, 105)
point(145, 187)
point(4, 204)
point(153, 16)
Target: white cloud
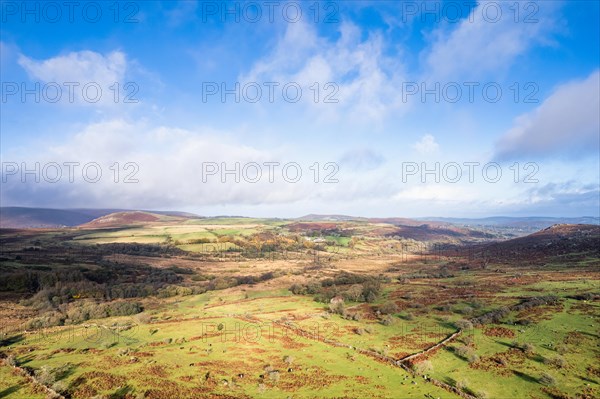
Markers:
point(566, 123)
point(170, 174)
point(426, 145)
point(83, 67)
point(366, 78)
point(170, 177)
point(479, 47)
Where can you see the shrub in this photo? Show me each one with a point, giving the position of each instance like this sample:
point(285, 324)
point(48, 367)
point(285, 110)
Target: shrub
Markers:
point(274, 376)
point(337, 308)
point(466, 353)
point(562, 349)
point(529, 349)
point(466, 310)
point(547, 379)
point(388, 308)
point(557, 361)
point(423, 367)
point(144, 318)
point(60, 387)
point(472, 357)
point(464, 324)
point(288, 359)
point(123, 308)
point(371, 290)
point(298, 289)
point(45, 376)
point(387, 320)
point(11, 360)
point(354, 293)
point(481, 395)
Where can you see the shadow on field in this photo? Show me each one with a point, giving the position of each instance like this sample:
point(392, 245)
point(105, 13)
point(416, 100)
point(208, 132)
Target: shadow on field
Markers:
point(65, 371)
point(537, 358)
point(525, 377)
point(595, 336)
point(122, 392)
point(12, 340)
point(23, 360)
point(76, 383)
point(9, 391)
point(582, 377)
point(445, 324)
point(450, 381)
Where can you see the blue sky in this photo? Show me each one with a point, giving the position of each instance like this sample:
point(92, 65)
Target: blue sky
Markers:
point(370, 133)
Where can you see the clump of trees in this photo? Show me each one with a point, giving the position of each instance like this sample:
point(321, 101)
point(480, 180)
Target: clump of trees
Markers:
point(496, 316)
point(79, 312)
point(350, 287)
point(537, 301)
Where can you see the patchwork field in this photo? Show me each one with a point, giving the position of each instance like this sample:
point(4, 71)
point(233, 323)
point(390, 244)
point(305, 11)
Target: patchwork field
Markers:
point(234, 308)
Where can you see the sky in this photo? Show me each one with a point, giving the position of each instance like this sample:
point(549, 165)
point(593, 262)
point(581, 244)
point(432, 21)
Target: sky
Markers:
point(283, 108)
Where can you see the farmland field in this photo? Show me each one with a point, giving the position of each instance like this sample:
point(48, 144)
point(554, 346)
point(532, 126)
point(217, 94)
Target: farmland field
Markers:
point(263, 309)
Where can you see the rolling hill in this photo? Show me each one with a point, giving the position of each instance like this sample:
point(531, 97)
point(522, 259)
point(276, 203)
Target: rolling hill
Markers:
point(24, 218)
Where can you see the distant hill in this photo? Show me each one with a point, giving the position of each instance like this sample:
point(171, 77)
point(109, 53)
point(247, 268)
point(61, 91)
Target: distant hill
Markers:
point(525, 223)
point(329, 218)
point(16, 217)
point(395, 228)
point(387, 220)
point(428, 232)
point(533, 223)
point(24, 218)
point(569, 242)
point(128, 218)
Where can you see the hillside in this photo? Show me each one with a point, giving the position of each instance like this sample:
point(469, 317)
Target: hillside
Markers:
point(128, 218)
point(26, 218)
point(569, 242)
point(22, 218)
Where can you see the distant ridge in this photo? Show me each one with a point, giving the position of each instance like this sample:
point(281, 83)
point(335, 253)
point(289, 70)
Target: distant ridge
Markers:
point(26, 218)
point(131, 218)
point(527, 223)
point(328, 218)
point(532, 223)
